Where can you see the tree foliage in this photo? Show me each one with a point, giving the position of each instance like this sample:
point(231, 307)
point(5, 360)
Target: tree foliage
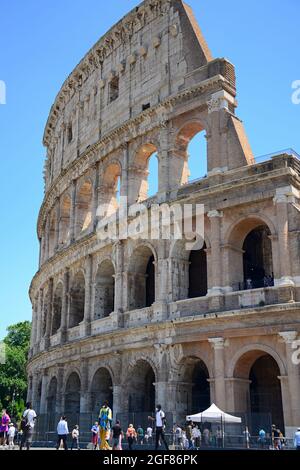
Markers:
point(13, 379)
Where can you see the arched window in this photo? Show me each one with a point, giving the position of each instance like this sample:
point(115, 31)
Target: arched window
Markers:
point(104, 290)
point(143, 177)
point(52, 234)
point(64, 223)
point(77, 299)
point(191, 148)
point(198, 273)
point(57, 308)
point(84, 207)
point(141, 389)
point(72, 396)
point(101, 390)
point(110, 189)
point(142, 278)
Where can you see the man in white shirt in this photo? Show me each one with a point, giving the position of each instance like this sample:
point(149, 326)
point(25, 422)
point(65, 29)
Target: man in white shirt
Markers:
point(62, 433)
point(160, 423)
point(28, 421)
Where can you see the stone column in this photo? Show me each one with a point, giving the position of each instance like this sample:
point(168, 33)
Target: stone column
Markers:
point(73, 211)
point(281, 201)
point(88, 295)
point(39, 319)
point(47, 229)
point(59, 393)
point(293, 376)
point(65, 305)
point(84, 392)
point(119, 301)
point(216, 258)
point(117, 400)
point(163, 160)
point(34, 394)
point(218, 345)
point(43, 402)
point(49, 314)
point(95, 195)
point(57, 219)
point(124, 176)
point(286, 405)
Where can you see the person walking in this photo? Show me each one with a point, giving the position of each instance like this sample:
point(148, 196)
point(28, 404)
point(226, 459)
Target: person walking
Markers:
point(196, 437)
point(131, 436)
point(219, 437)
point(62, 433)
point(95, 435)
point(105, 419)
point(297, 439)
point(148, 435)
point(4, 422)
point(178, 436)
point(11, 436)
point(117, 435)
point(160, 421)
point(188, 432)
point(140, 434)
point(75, 438)
point(262, 438)
point(27, 425)
point(247, 437)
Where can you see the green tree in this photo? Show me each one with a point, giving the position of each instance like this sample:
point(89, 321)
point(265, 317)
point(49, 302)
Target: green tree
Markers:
point(13, 379)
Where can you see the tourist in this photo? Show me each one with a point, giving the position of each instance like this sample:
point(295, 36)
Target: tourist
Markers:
point(206, 436)
point(219, 438)
point(178, 436)
point(262, 438)
point(95, 435)
point(188, 432)
point(27, 425)
point(148, 435)
point(247, 437)
point(160, 422)
point(275, 437)
point(4, 422)
point(62, 433)
point(105, 419)
point(140, 435)
point(117, 435)
point(75, 438)
point(297, 439)
point(196, 437)
point(131, 436)
point(11, 436)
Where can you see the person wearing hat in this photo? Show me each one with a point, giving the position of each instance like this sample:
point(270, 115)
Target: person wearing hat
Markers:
point(297, 439)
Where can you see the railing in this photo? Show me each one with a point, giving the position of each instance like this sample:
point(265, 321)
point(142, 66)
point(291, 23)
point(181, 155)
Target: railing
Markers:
point(138, 317)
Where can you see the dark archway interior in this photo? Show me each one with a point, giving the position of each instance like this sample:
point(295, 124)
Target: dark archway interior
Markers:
point(150, 282)
point(198, 273)
point(257, 258)
point(77, 301)
point(201, 388)
point(142, 390)
point(265, 392)
point(57, 308)
point(72, 395)
point(102, 390)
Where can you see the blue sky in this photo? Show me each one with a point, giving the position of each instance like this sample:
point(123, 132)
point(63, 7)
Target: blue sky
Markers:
point(41, 42)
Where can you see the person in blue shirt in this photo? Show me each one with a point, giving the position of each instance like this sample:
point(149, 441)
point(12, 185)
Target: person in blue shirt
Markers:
point(297, 439)
point(262, 438)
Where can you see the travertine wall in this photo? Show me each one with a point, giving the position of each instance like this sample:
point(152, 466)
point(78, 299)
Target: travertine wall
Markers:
point(91, 303)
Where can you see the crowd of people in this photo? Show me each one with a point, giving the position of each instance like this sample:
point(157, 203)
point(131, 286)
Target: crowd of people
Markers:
point(107, 435)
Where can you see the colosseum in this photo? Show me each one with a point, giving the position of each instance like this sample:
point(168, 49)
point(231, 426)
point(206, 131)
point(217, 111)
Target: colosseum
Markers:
point(140, 321)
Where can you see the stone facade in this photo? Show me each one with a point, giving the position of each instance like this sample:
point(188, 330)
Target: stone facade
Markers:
point(128, 320)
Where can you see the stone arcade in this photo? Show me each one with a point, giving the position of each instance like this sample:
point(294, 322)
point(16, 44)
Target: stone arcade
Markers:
point(142, 321)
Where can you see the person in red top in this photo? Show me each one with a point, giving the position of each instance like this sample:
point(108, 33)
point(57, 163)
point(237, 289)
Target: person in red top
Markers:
point(131, 436)
point(4, 422)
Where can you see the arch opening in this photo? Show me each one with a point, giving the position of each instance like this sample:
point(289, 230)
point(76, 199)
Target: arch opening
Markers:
point(84, 208)
point(64, 223)
point(104, 290)
point(191, 145)
point(101, 390)
point(72, 394)
point(197, 273)
point(77, 300)
point(142, 278)
point(57, 309)
point(193, 392)
point(141, 393)
point(144, 181)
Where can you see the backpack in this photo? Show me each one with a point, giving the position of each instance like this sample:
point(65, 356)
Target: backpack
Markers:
point(24, 423)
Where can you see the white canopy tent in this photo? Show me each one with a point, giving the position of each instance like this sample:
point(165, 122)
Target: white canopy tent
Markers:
point(213, 414)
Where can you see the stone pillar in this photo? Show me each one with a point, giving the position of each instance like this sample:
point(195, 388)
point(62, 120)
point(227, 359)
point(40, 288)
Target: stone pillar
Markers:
point(49, 314)
point(218, 345)
point(293, 376)
point(65, 306)
point(286, 405)
point(117, 400)
point(119, 301)
point(39, 320)
point(47, 230)
point(73, 211)
point(43, 402)
point(57, 219)
point(95, 195)
point(281, 201)
point(59, 392)
point(124, 177)
point(216, 258)
point(165, 395)
point(84, 392)
point(34, 394)
point(163, 160)
point(88, 295)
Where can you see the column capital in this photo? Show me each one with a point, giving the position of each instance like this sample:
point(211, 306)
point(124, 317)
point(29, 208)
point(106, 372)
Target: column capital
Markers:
point(217, 343)
point(288, 336)
point(214, 213)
